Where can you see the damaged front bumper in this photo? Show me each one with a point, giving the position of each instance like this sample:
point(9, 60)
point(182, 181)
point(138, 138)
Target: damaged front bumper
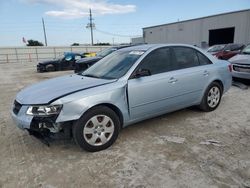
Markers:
point(40, 127)
point(24, 121)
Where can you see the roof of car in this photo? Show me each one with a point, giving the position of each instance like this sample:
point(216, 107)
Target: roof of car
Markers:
point(121, 46)
point(146, 47)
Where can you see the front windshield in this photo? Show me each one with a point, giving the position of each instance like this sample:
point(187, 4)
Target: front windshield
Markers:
point(65, 55)
point(114, 65)
point(246, 50)
point(105, 52)
point(216, 48)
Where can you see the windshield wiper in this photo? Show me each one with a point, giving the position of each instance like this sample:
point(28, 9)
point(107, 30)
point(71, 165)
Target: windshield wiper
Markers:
point(91, 75)
point(245, 53)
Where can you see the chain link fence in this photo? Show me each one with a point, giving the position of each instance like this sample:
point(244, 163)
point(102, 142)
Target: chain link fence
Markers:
point(34, 54)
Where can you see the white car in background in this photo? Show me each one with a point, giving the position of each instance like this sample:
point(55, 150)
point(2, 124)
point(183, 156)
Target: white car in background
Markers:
point(241, 64)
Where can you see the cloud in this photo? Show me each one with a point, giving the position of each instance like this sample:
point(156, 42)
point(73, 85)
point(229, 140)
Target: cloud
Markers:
point(71, 9)
point(67, 14)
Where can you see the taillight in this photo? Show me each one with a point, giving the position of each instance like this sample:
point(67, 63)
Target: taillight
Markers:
point(230, 68)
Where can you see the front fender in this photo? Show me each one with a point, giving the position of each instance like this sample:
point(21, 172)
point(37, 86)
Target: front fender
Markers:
point(75, 105)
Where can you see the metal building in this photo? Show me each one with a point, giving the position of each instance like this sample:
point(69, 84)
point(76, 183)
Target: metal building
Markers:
point(232, 27)
point(137, 40)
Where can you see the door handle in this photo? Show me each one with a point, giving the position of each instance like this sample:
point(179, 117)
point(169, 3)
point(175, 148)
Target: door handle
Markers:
point(172, 80)
point(205, 73)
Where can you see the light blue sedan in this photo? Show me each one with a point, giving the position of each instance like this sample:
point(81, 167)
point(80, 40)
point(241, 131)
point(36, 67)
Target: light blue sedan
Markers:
point(127, 86)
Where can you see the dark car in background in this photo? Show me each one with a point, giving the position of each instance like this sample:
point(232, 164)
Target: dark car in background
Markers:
point(84, 63)
point(225, 51)
point(66, 62)
point(241, 64)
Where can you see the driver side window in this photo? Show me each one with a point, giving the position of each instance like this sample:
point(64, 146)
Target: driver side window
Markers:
point(157, 61)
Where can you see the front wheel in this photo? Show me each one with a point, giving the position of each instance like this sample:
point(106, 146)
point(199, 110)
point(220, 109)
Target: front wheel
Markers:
point(212, 97)
point(50, 68)
point(97, 129)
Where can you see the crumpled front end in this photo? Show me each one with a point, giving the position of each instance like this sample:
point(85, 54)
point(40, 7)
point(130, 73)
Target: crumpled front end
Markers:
point(49, 110)
point(40, 127)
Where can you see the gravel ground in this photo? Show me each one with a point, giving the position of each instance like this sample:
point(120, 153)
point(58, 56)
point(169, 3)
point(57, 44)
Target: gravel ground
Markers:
point(187, 148)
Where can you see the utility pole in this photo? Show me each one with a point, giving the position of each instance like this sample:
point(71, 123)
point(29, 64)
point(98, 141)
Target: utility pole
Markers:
point(91, 25)
point(44, 32)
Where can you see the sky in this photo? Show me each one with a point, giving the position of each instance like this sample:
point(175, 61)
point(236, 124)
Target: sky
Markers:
point(116, 21)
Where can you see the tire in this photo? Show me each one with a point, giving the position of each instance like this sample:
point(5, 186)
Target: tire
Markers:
point(212, 97)
point(50, 68)
point(92, 134)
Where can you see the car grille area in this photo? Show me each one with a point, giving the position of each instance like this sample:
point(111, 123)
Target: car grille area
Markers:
point(16, 107)
point(241, 68)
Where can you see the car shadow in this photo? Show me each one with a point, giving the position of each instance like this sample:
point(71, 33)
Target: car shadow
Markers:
point(244, 81)
point(241, 83)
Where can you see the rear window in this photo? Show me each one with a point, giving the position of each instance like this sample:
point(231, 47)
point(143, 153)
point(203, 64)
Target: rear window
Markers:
point(216, 48)
point(185, 57)
point(203, 59)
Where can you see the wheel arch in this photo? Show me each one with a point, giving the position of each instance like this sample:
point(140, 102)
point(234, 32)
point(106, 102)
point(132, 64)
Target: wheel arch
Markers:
point(50, 64)
point(112, 107)
point(219, 82)
point(209, 83)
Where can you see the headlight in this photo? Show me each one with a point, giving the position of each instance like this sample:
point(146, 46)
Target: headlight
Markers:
point(44, 110)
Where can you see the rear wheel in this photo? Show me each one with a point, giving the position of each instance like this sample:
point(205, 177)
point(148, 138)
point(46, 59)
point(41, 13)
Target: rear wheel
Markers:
point(97, 129)
point(212, 97)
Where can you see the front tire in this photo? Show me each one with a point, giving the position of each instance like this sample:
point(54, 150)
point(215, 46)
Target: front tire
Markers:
point(50, 68)
point(97, 129)
point(212, 97)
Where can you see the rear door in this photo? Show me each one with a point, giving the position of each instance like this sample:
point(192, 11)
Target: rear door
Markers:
point(194, 71)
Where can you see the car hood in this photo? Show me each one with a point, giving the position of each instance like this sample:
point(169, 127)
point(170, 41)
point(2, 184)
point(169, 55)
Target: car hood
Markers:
point(89, 59)
point(49, 61)
point(47, 91)
point(240, 59)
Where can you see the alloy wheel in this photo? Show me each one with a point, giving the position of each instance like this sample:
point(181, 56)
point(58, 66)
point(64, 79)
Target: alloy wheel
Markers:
point(213, 97)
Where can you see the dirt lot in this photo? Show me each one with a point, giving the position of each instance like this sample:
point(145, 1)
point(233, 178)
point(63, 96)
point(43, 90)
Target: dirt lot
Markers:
point(187, 148)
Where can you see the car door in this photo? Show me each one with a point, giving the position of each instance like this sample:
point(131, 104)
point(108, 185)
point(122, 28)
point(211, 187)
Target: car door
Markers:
point(150, 94)
point(73, 61)
point(193, 75)
point(66, 63)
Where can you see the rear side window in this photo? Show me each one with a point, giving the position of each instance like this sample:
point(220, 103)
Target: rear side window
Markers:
point(185, 57)
point(203, 59)
point(158, 61)
point(236, 47)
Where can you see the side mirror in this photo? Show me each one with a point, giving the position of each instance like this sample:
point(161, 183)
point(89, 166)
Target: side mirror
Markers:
point(142, 72)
